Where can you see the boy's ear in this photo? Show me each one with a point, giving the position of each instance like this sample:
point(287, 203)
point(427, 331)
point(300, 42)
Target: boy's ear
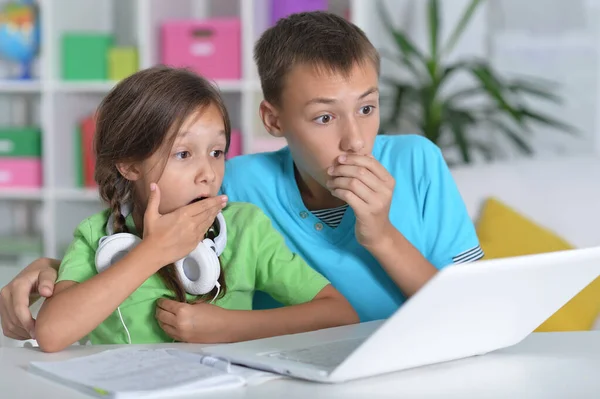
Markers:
point(270, 118)
point(129, 170)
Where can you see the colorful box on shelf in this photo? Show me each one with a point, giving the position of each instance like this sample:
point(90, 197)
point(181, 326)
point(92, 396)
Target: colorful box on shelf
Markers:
point(210, 47)
point(21, 245)
point(20, 142)
point(85, 160)
point(20, 172)
point(85, 55)
point(235, 144)
point(268, 144)
point(283, 8)
point(122, 62)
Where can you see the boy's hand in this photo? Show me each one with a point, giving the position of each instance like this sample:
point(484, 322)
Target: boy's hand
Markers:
point(174, 235)
point(363, 183)
point(36, 279)
point(195, 323)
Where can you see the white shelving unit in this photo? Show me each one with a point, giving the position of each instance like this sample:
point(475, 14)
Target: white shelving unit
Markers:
point(57, 106)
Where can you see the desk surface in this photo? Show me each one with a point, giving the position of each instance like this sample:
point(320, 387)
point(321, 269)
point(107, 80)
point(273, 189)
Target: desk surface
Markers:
point(544, 365)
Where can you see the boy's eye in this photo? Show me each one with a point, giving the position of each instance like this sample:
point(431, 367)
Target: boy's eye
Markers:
point(324, 119)
point(216, 153)
point(182, 154)
point(366, 110)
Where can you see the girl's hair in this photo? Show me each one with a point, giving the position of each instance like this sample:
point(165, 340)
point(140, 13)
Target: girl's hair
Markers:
point(140, 116)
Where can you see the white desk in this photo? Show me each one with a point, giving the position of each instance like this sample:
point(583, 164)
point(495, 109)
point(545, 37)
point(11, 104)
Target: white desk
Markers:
point(549, 365)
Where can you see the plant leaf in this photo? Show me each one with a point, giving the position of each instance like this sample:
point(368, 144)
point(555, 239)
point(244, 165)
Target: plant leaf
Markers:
point(459, 121)
point(404, 44)
point(398, 103)
point(549, 121)
point(484, 148)
point(514, 137)
point(434, 25)
point(494, 87)
point(448, 71)
point(398, 98)
point(527, 88)
point(403, 60)
point(460, 27)
point(463, 115)
point(457, 127)
point(465, 93)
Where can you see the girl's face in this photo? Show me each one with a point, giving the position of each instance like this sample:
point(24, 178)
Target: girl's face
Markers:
point(195, 165)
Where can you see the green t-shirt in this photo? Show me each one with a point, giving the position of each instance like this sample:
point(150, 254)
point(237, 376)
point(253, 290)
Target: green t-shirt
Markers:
point(255, 258)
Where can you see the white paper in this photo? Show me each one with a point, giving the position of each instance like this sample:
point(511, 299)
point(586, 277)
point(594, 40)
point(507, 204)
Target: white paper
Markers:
point(249, 375)
point(133, 371)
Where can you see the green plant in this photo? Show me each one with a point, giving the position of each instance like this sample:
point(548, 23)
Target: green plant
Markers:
point(449, 118)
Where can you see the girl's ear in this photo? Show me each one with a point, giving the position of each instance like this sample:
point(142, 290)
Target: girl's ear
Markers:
point(129, 171)
point(270, 118)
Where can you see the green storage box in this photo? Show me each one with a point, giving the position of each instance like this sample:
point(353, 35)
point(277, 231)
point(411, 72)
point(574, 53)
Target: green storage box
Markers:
point(85, 56)
point(20, 142)
point(21, 245)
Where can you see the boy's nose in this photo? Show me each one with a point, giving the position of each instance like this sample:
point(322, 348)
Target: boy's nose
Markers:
point(352, 141)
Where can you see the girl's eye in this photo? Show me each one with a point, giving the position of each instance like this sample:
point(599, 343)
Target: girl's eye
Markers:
point(324, 119)
point(183, 154)
point(216, 153)
point(366, 110)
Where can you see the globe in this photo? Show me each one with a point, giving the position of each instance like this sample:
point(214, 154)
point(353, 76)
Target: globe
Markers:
point(20, 34)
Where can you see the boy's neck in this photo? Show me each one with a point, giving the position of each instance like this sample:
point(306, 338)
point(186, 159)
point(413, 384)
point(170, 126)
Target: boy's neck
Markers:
point(314, 195)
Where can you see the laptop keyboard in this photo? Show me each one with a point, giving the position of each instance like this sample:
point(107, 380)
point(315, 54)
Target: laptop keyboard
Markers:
point(327, 355)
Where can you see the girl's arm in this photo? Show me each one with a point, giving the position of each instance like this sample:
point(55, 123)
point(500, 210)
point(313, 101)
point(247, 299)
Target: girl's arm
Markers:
point(206, 323)
point(76, 309)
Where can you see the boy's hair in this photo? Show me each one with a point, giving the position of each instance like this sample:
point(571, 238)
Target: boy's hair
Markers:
point(141, 115)
point(321, 39)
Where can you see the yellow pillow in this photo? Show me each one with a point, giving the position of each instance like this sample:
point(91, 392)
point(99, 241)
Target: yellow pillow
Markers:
point(503, 232)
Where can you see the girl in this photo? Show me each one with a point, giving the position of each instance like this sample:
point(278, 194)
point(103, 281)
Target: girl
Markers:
point(160, 143)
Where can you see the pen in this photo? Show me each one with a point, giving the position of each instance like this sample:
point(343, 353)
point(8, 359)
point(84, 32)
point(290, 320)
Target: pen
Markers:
point(210, 361)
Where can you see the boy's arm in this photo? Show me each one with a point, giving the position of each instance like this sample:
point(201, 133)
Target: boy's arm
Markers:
point(37, 279)
point(402, 261)
point(45, 270)
point(368, 187)
point(76, 309)
point(363, 183)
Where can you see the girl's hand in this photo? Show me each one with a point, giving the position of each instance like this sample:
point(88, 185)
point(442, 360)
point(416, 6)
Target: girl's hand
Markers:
point(174, 235)
point(195, 323)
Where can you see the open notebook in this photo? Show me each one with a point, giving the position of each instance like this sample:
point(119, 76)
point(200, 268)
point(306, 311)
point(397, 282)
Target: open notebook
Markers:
point(143, 373)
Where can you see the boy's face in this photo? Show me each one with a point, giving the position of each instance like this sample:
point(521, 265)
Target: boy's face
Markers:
point(323, 115)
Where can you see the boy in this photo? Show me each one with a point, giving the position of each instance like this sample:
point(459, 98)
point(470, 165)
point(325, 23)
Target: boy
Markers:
point(376, 215)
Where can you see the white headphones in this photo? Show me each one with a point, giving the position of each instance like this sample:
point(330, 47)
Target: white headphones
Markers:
point(198, 272)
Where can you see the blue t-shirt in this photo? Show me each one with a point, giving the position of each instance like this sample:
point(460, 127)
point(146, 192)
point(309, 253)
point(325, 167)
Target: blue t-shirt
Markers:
point(426, 208)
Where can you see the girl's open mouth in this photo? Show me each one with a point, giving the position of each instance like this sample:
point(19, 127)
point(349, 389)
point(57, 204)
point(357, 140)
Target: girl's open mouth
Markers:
point(197, 199)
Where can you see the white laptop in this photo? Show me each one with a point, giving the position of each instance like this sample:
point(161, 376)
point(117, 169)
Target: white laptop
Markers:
point(465, 310)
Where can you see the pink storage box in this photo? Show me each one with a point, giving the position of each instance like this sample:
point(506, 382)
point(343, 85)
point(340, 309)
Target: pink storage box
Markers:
point(211, 47)
point(235, 144)
point(20, 172)
point(268, 144)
